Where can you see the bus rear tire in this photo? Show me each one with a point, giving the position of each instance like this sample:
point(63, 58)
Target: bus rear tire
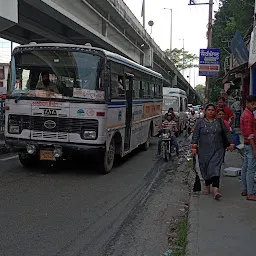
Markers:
point(107, 159)
point(28, 161)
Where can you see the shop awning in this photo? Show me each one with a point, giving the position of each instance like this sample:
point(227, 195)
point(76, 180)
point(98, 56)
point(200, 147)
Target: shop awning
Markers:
point(237, 70)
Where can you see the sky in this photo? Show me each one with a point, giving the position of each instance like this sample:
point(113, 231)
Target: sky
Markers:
point(189, 23)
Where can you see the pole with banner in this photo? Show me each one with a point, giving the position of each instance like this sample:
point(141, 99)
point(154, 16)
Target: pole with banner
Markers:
point(209, 39)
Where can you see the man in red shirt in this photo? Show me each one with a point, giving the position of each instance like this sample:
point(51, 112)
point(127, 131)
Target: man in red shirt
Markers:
point(229, 116)
point(249, 134)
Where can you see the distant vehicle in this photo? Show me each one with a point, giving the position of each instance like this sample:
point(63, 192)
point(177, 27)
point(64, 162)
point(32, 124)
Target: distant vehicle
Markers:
point(177, 99)
point(198, 111)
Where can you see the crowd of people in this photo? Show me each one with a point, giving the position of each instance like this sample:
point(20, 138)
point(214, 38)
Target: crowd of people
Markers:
point(212, 137)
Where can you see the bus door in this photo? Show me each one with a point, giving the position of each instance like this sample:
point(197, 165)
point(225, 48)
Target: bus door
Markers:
point(128, 118)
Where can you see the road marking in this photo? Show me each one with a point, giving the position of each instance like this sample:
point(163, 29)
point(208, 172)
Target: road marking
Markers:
point(8, 158)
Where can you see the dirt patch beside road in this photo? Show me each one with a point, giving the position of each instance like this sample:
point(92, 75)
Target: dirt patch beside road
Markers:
point(154, 228)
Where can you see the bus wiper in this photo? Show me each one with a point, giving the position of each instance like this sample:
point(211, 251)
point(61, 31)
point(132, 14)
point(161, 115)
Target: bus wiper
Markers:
point(21, 95)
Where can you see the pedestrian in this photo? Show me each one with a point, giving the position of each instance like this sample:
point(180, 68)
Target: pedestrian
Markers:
point(248, 131)
point(237, 108)
point(221, 114)
point(229, 116)
point(208, 141)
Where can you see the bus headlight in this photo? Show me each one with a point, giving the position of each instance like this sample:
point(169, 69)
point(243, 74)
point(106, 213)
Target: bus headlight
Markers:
point(14, 129)
point(57, 152)
point(31, 149)
point(89, 135)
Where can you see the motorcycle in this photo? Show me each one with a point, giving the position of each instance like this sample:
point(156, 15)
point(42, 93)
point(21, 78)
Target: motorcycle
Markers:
point(166, 145)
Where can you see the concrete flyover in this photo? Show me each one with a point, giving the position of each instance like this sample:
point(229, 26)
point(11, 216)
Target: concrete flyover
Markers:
point(107, 24)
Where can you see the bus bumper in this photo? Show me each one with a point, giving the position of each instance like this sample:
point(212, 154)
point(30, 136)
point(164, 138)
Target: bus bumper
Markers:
point(67, 149)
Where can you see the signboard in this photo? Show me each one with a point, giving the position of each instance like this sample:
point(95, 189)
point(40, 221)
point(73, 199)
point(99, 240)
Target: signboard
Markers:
point(209, 62)
point(239, 49)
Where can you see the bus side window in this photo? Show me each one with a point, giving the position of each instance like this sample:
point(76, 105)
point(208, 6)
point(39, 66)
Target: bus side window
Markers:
point(117, 81)
point(146, 89)
point(136, 89)
point(158, 91)
point(158, 88)
point(181, 104)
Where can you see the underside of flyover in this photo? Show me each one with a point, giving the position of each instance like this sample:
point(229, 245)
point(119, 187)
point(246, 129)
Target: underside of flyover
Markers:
point(39, 22)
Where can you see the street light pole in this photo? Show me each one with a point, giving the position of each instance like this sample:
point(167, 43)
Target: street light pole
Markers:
point(170, 31)
point(209, 45)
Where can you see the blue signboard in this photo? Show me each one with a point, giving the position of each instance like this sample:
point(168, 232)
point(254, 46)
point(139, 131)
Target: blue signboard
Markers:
point(209, 62)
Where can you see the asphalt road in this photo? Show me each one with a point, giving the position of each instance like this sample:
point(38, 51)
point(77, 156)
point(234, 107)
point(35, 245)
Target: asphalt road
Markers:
point(71, 210)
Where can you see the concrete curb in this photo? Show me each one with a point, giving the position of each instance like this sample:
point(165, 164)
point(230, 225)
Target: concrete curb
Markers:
point(193, 224)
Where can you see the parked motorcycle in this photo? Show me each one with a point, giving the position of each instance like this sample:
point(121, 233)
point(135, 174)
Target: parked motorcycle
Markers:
point(166, 145)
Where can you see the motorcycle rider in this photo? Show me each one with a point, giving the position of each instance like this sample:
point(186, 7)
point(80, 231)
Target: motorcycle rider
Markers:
point(172, 125)
point(191, 121)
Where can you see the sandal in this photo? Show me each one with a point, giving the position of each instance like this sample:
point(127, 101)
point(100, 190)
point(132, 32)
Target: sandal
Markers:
point(206, 190)
point(251, 197)
point(217, 194)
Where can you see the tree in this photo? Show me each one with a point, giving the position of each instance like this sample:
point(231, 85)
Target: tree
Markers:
point(232, 15)
point(200, 89)
point(182, 60)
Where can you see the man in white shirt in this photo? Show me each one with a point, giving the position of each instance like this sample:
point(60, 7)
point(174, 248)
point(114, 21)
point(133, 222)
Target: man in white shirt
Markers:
point(236, 106)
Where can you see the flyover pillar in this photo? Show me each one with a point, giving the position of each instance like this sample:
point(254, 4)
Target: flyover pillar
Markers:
point(174, 81)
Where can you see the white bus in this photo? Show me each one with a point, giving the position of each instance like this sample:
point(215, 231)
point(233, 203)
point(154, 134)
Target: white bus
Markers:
point(177, 99)
point(94, 100)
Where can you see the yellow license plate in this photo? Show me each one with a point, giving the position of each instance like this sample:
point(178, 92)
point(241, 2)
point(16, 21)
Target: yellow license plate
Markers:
point(46, 155)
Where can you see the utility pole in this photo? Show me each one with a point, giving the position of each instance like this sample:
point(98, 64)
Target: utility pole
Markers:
point(170, 31)
point(183, 55)
point(143, 13)
point(209, 45)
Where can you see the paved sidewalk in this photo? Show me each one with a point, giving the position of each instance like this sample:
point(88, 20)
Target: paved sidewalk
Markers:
point(225, 227)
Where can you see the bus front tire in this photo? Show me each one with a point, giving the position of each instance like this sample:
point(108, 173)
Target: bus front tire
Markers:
point(108, 158)
point(28, 161)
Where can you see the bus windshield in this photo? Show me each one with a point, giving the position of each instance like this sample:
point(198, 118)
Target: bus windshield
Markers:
point(57, 74)
point(170, 102)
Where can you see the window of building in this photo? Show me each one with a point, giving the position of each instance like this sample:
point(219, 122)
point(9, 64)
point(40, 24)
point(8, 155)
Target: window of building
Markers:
point(2, 77)
point(1, 84)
